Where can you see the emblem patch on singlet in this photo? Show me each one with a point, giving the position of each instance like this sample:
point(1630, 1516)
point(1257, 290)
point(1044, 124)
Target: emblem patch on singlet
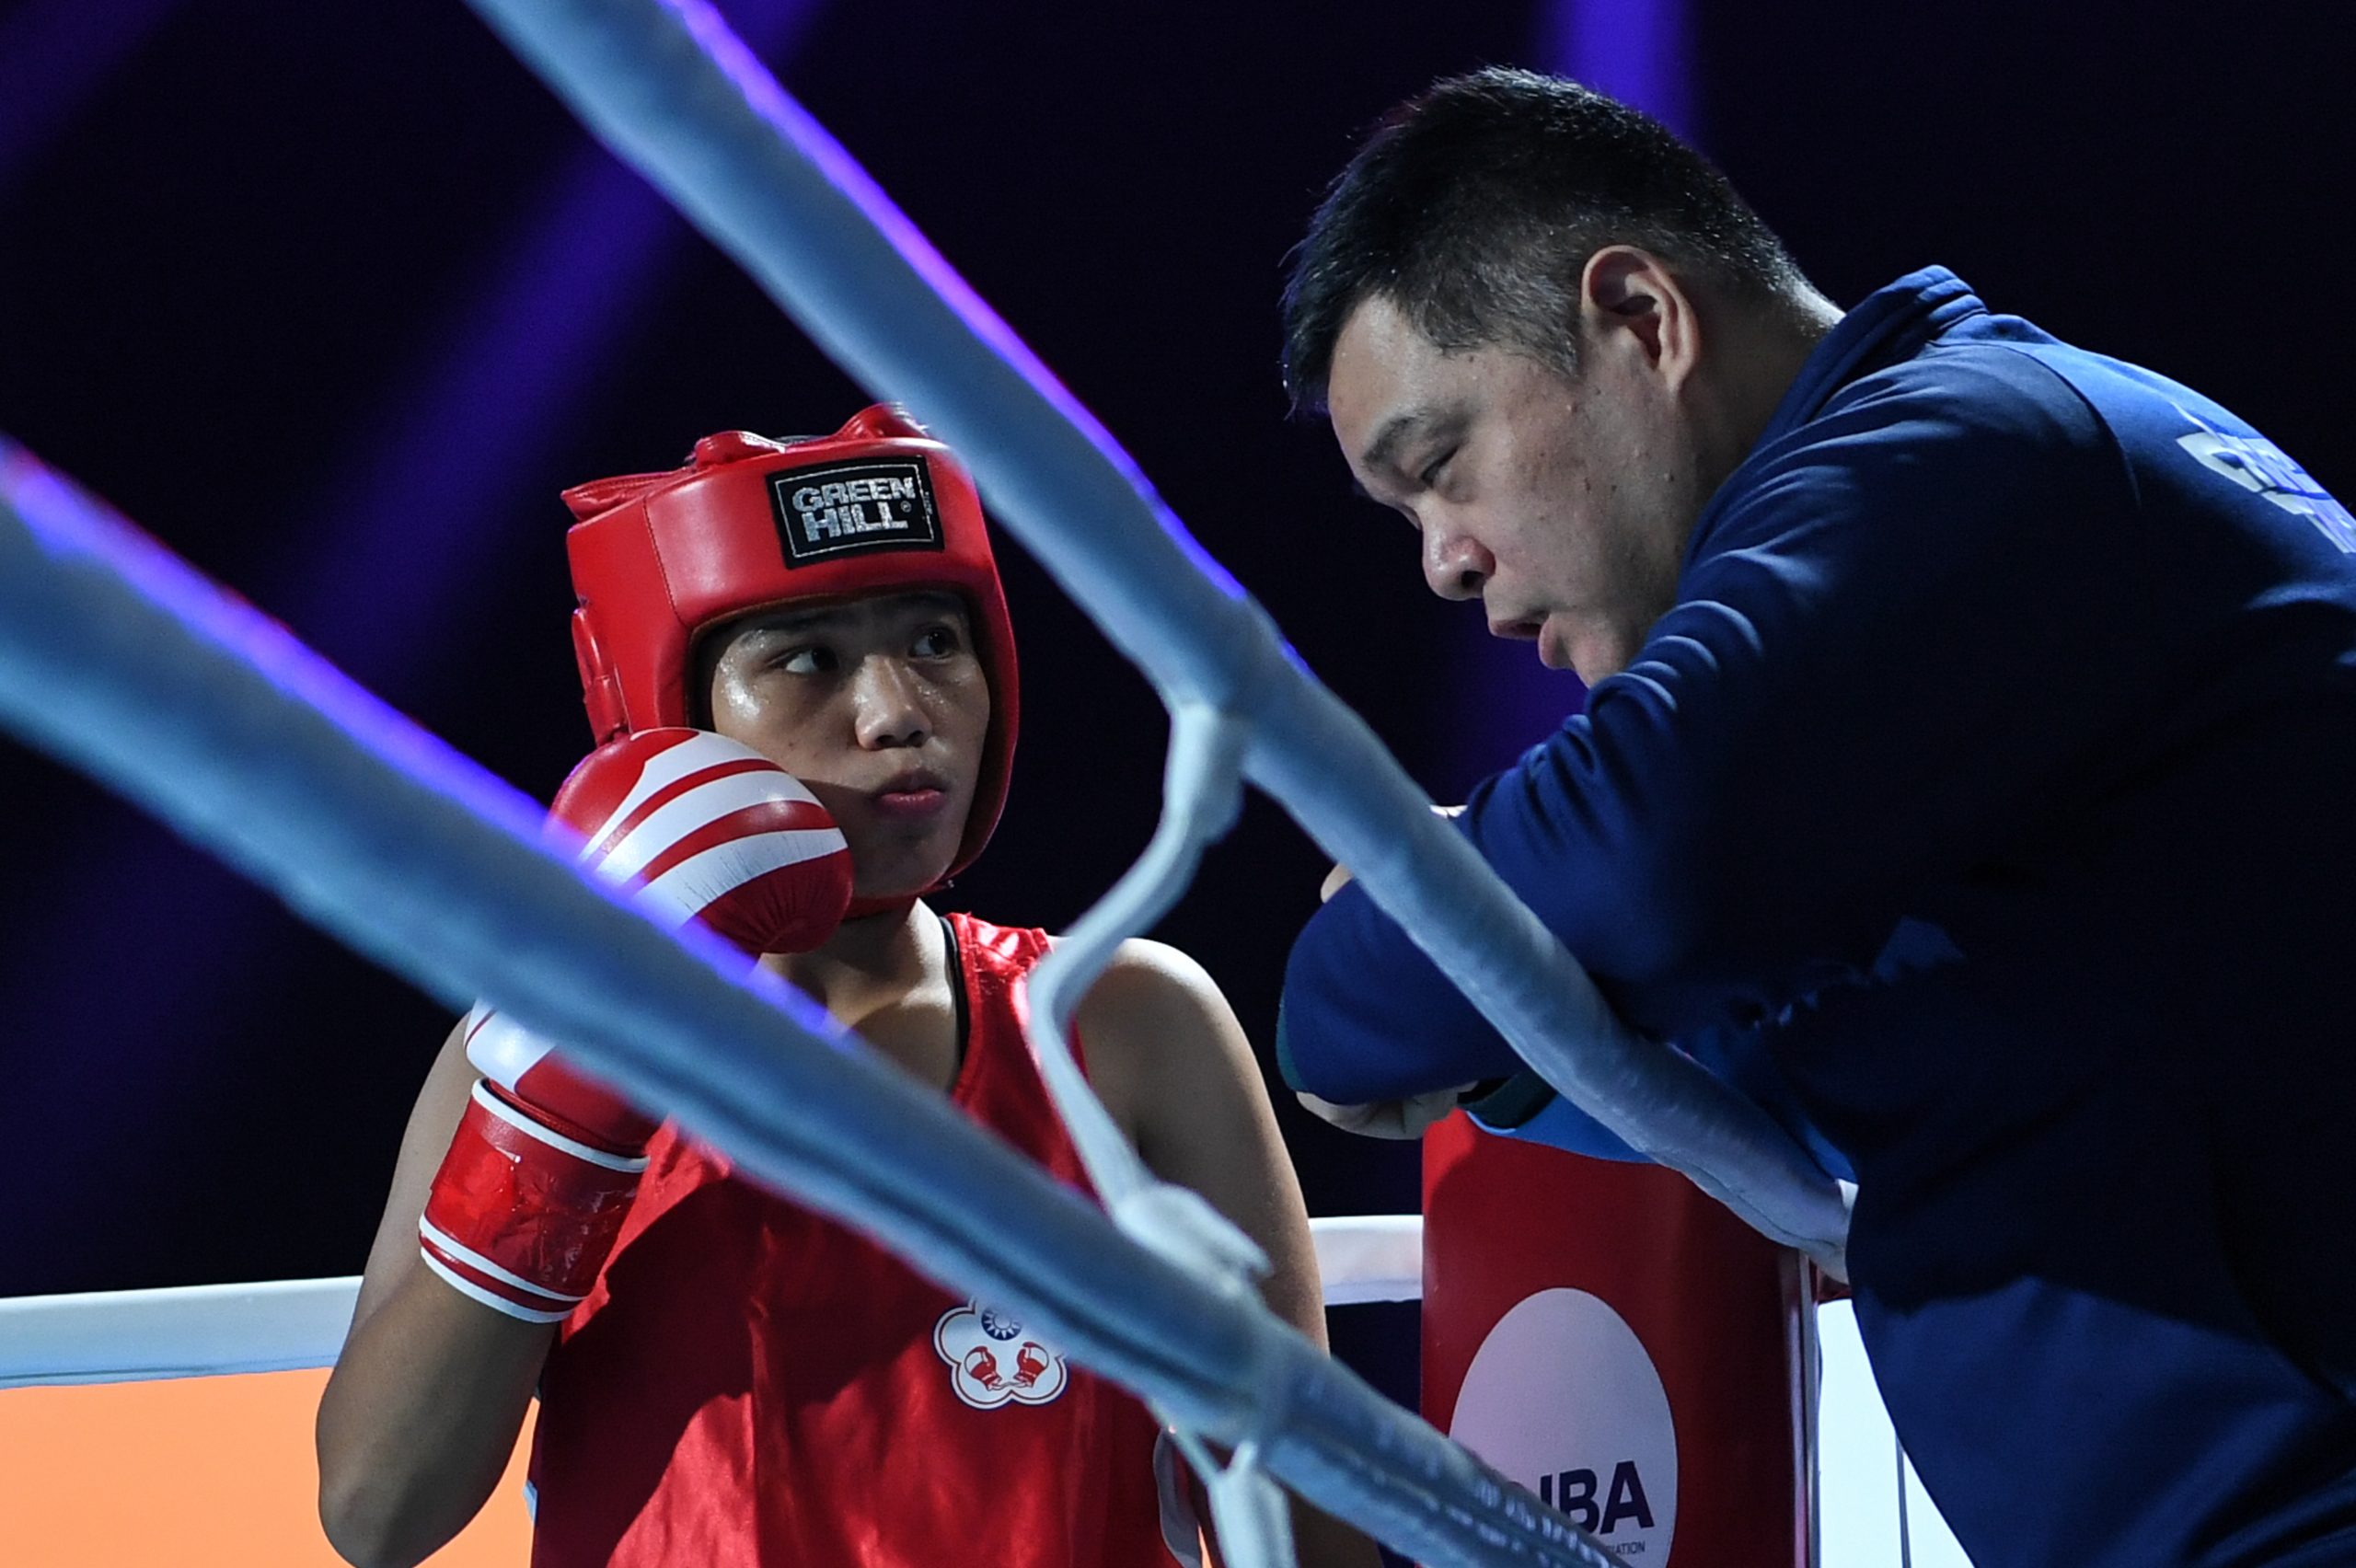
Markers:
point(992, 1358)
point(867, 503)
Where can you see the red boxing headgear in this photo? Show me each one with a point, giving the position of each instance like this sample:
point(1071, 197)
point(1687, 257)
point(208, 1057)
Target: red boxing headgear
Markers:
point(877, 507)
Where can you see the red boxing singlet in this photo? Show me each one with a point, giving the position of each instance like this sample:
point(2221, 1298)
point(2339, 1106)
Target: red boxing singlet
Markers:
point(752, 1386)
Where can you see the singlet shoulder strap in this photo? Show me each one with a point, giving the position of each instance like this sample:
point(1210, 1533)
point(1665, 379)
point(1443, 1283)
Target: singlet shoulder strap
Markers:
point(964, 1022)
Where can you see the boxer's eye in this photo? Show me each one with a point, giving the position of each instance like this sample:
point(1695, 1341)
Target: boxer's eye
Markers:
point(1430, 475)
point(938, 642)
point(804, 661)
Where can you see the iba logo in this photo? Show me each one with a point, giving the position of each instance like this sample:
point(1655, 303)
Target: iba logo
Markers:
point(867, 503)
point(992, 1360)
point(1564, 1399)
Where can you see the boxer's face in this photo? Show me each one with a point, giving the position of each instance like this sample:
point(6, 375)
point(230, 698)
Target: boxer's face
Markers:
point(1563, 504)
point(880, 706)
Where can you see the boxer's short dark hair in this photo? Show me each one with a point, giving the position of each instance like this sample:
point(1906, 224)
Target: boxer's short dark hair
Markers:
point(1474, 206)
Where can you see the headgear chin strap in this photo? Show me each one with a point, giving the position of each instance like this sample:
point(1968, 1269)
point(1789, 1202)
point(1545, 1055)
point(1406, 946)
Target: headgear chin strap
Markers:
point(749, 522)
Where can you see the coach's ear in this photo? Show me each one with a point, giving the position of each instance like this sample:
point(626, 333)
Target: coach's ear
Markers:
point(1637, 315)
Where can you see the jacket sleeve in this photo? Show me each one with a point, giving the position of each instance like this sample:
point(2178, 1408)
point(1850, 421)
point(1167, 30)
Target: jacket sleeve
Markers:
point(1899, 630)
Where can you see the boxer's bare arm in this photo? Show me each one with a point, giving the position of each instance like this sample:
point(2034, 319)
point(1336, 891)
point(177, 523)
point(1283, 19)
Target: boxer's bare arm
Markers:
point(1166, 1054)
point(1173, 1067)
point(421, 1412)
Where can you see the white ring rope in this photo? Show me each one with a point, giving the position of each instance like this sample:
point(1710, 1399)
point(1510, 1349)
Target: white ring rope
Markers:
point(671, 90)
point(1202, 792)
point(204, 1331)
point(118, 658)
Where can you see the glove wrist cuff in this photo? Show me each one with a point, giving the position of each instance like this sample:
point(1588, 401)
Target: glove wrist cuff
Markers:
point(522, 1216)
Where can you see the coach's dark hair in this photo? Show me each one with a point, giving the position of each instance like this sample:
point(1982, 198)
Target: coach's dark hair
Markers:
point(1475, 207)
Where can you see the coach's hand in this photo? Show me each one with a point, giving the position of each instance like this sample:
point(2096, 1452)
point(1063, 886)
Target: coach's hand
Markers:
point(1408, 1118)
point(1335, 1034)
point(1339, 877)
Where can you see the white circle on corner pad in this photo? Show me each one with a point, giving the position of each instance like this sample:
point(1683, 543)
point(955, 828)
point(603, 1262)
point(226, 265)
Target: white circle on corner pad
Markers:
point(1563, 1398)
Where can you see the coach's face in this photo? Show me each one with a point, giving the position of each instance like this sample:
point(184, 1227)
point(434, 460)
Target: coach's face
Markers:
point(1562, 504)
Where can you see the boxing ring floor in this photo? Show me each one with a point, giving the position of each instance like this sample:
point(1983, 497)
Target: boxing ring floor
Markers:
point(156, 1427)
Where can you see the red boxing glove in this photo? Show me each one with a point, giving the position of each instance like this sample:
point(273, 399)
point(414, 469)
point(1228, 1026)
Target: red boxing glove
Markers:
point(710, 829)
point(532, 1194)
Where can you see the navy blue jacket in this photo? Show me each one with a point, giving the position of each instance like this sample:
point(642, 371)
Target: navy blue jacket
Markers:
point(1984, 808)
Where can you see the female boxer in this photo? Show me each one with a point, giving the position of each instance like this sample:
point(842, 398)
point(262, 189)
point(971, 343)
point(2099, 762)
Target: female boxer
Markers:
point(725, 1376)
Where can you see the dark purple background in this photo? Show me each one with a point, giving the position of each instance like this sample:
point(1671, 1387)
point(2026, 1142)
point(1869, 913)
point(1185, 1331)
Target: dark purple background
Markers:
point(334, 299)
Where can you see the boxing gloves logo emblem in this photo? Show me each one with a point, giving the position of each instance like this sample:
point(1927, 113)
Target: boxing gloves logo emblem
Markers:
point(993, 1361)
